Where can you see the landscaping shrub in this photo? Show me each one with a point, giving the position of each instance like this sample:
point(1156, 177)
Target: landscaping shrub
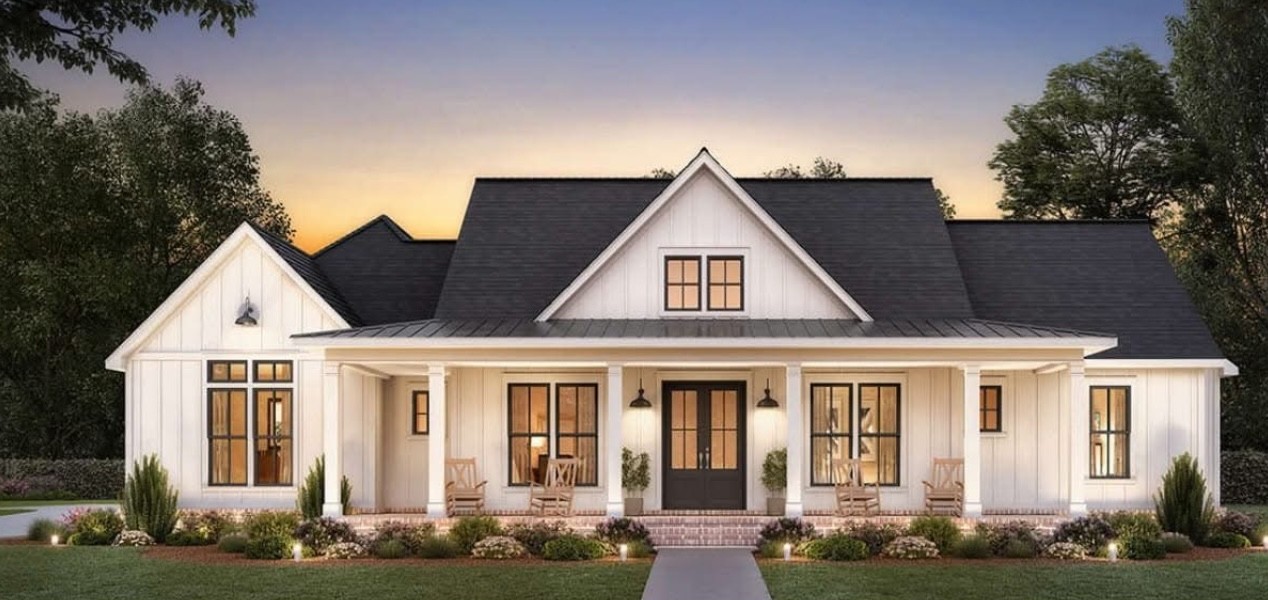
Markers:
point(1066, 551)
point(1176, 543)
point(573, 547)
point(788, 530)
point(1236, 522)
point(835, 547)
point(410, 535)
point(438, 546)
point(345, 550)
point(875, 535)
point(1091, 531)
point(233, 543)
point(199, 528)
point(534, 536)
point(272, 546)
point(498, 547)
point(910, 547)
point(770, 549)
point(1244, 477)
point(96, 527)
point(972, 546)
point(469, 530)
point(133, 538)
point(1139, 547)
point(998, 535)
point(187, 538)
point(1182, 504)
point(320, 534)
point(1127, 523)
point(271, 524)
point(1020, 549)
point(638, 549)
point(621, 530)
point(1225, 539)
point(63, 479)
point(937, 529)
point(312, 493)
point(390, 549)
point(42, 530)
point(149, 503)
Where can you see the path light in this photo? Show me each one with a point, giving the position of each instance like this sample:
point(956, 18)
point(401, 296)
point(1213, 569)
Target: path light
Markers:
point(625, 551)
point(787, 551)
point(53, 540)
point(1113, 552)
point(297, 551)
point(1266, 542)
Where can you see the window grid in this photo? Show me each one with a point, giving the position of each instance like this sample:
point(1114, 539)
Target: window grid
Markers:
point(222, 436)
point(527, 434)
point(587, 473)
point(726, 283)
point(682, 284)
point(879, 435)
point(1106, 432)
point(421, 423)
point(274, 446)
point(991, 409)
point(231, 387)
point(831, 436)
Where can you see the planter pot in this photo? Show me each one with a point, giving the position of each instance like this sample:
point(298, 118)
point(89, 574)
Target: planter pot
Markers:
point(775, 506)
point(633, 507)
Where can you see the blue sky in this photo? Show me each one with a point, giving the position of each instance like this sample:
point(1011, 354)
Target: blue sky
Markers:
point(361, 108)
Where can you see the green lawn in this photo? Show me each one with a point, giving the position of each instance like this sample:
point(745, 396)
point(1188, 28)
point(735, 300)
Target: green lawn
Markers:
point(1238, 578)
point(4, 512)
point(105, 573)
point(26, 503)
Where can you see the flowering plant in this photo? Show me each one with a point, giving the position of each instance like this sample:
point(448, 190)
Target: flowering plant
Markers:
point(910, 547)
point(498, 547)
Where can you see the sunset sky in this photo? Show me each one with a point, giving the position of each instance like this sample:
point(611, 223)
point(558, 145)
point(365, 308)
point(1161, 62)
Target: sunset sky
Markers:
point(362, 108)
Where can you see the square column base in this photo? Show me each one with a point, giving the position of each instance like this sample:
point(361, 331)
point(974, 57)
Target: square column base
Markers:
point(972, 510)
point(1078, 509)
point(616, 509)
point(332, 509)
point(794, 509)
point(436, 510)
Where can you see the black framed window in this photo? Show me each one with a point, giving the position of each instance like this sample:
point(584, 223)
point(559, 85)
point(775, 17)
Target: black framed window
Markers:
point(227, 371)
point(682, 283)
point(1110, 451)
point(419, 410)
point(577, 428)
point(831, 432)
point(990, 408)
point(726, 283)
point(528, 431)
point(273, 437)
point(227, 435)
point(274, 371)
point(879, 427)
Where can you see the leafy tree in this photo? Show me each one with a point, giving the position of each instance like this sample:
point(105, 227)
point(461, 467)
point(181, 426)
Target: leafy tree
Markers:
point(100, 219)
point(944, 203)
point(1104, 141)
point(822, 168)
point(1220, 243)
point(80, 35)
point(661, 173)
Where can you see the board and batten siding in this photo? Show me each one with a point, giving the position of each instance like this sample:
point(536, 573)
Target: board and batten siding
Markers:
point(704, 218)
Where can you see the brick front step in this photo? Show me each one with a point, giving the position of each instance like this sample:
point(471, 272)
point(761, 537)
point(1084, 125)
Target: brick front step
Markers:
point(704, 530)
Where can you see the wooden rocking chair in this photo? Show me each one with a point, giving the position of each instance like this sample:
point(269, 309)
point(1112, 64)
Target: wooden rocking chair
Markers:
point(554, 495)
point(946, 494)
point(463, 495)
point(853, 497)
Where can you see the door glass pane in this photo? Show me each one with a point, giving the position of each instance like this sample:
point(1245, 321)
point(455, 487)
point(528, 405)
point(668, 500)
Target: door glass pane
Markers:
point(732, 409)
point(677, 411)
point(717, 409)
point(690, 448)
point(717, 449)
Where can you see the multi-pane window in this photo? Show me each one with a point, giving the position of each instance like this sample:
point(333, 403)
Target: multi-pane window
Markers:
point(577, 434)
point(529, 431)
point(1110, 451)
point(682, 283)
point(726, 283)
point(250, 418)
point(831, 441)
point(879, 435)
point(419, 412)
point(990, 401)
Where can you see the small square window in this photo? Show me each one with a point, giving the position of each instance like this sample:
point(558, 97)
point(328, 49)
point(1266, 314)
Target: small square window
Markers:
point(227, 371)
point(682, 283)
point(726, 283)
point(420, 411)
point(274, 371)
point(991, 399)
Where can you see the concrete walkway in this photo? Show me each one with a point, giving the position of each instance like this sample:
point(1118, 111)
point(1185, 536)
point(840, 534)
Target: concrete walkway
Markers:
point(705, 574)
point(16, 525)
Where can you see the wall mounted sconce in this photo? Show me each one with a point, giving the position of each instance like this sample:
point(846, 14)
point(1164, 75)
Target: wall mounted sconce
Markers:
point(640, 401)
point(246, 314)
point(767, 401)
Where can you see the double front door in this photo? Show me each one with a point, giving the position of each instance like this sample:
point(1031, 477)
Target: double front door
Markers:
point(704, 445)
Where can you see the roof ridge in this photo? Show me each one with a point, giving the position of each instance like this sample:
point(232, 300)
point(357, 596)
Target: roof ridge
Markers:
point(396, 230)
point(1123, 221)
point(627, 179)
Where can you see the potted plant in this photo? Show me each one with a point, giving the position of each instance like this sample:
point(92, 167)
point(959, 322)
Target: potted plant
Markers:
point(635, 477)
point(775, 479)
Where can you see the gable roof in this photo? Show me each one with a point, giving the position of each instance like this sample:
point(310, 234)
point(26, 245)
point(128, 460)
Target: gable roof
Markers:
point(1097, 275)
point(310, 272)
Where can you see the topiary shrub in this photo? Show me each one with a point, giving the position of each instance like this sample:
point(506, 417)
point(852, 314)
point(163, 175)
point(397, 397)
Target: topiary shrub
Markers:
point(1236, 522)
point(322, 533)
point(1244, 477)
point(1176, 543)
point(345, 550)
point(469, 530)
point(271, 524)
point(1126, 523)
point(95, 527)
point(43, 530)
point(1224, 539)
point(410, 535)
point(1020, 549)
point(875, 535)
point(910, 547)
point(391, 549)
point(268, 547)
point(312, 493)
point(788, 531)
point(1138, 547)
point(438, 546)
point(133, 538)
point(621, 530)
point(233, 543)
point(573, 547)
point(975, 546)
point(1182, 504)
point(942, 531)
point(498, 547)
point(1091, 531)
point(534, 536)
point(149, 503)
point(1066, 551)
point(998, 535)
point(835, 547)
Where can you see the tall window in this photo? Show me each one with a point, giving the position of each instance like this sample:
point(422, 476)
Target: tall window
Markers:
point(273, 445)
point(830, 431)
point(726, 283)
point(529, 432)
point(682, 283)
point(879, 432)
point(990, 400)
point(227, 436)
point(420, 408)
point(577, 432)
point(1110, 453)
point(264, 428)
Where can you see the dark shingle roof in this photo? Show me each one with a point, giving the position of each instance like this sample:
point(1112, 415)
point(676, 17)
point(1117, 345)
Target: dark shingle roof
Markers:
point(386, 274)
point(1101, 276)
point(312, 273)
point(524, 240)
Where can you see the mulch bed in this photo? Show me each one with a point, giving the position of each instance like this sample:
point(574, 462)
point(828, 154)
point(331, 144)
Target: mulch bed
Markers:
point(1197, 554)
point(211, 555)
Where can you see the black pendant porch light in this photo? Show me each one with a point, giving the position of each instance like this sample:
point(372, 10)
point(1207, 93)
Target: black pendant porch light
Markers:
point(640, 401)
point(767, 401)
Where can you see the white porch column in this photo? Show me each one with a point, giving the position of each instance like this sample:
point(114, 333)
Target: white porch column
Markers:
point(796, 441)
point(331, 432)
point(612, 460)
point(1080, 412)
point(972, 442)
point(436, 440)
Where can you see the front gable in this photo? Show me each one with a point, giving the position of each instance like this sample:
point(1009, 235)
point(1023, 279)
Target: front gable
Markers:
point(704, 214)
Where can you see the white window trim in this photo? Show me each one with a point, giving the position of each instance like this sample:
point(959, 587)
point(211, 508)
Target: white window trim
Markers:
point(249, 386)
point(704, 253)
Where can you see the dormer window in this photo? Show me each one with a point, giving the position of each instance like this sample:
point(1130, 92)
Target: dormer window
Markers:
point(704, 283)
point(726, 283)
point(682, 283)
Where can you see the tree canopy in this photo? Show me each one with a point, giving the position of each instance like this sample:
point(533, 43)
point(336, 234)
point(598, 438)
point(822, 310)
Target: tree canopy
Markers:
point(81, 35)
point(101, 217)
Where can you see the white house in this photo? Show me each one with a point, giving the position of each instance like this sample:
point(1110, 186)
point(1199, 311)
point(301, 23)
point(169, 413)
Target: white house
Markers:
point(1061, 360)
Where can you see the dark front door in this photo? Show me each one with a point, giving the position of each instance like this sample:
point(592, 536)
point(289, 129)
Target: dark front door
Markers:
point(704, 445)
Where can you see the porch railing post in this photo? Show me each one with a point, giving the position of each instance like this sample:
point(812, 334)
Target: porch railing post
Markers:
point(795, 443)
point(612, 462)
point(972, 442)
point(331, 432)
point(1080, 412)
point(436, 436)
